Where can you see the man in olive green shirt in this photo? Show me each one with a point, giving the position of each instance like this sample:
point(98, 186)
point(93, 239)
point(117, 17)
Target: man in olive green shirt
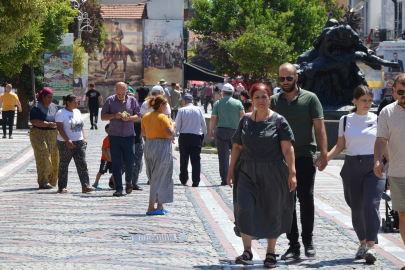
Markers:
point(226, 114)
point(304, 114)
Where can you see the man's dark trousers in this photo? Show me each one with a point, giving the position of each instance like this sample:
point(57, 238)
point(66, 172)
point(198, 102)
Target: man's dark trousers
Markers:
point(208, 100)
point(93, 112)
point(223, 140)
point(190, 148)
point(305, 192)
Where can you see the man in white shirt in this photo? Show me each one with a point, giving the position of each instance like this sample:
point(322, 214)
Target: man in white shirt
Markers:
point(391, 128)
point(190, 123)
point(156, 91)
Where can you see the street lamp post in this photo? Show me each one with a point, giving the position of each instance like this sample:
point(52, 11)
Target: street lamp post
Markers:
point(83, 21)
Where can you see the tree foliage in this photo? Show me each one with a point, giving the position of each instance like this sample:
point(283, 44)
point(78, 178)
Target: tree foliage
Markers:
point(92, 42)
point(253, 37)
point(17, 18)
point(79, 58)
point(45, 35)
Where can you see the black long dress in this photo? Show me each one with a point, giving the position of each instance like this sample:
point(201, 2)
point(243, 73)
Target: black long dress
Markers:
point(263, 204)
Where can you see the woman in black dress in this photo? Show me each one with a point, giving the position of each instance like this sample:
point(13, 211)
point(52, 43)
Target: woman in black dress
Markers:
point(262, 171)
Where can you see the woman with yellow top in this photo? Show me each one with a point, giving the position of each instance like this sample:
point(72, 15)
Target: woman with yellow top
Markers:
point(8, 100)
point(157, 131)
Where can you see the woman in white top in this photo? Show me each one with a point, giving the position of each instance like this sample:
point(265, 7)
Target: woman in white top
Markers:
point(362, 188)
point(71, 144)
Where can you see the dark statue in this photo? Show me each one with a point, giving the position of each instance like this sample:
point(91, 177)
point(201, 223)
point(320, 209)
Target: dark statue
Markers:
point(330, 71)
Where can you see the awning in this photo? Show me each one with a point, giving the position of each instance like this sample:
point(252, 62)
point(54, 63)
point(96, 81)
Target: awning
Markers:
point(194, 72)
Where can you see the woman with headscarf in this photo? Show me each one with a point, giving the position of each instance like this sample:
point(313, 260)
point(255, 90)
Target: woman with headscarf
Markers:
point(157, 131)
point(43, 139)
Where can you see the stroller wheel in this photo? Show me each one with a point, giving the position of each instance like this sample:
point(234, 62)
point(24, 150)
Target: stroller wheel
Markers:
point(384, 225)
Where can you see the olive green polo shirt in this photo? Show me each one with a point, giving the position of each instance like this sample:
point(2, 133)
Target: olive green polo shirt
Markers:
point(227, 110)
point(300, 113)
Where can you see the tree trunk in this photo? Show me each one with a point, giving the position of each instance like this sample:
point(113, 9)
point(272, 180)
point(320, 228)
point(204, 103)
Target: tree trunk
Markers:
point(22, 117)
point(33, 82)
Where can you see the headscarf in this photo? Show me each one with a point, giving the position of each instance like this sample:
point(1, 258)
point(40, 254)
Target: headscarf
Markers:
point(45, 92)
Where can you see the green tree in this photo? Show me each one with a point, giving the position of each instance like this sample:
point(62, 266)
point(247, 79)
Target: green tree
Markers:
point(21, 61)
point(253, 37)
point(17, 18)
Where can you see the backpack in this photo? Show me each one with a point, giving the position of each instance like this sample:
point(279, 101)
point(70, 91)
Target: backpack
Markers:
point(246, 117)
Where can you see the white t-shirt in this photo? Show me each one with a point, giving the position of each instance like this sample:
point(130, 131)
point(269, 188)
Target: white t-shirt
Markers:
point(72, 124)
point(377, 94)
point(145, 110)
point(360, 134)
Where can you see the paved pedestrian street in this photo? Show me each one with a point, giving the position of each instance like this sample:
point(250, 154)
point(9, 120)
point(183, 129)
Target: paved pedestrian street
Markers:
point(40, 229)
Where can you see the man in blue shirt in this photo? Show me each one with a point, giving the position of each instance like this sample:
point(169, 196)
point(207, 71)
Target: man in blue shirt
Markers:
point(190, 123)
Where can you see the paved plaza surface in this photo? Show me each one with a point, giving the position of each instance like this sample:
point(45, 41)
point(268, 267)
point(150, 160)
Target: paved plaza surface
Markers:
point(40, 229)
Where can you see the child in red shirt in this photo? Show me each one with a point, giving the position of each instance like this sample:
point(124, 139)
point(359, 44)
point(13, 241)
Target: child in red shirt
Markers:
point(106, 163)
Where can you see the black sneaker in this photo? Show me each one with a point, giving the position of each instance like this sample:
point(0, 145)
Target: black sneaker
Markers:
point(195, 184)
point(224, 183)
point(92, 128)
point(95, 126)
point(292, 253)
point(310, 250)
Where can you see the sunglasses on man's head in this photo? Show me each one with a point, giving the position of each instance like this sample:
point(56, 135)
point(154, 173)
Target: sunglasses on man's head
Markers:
point(401, 92)
point(289, 78)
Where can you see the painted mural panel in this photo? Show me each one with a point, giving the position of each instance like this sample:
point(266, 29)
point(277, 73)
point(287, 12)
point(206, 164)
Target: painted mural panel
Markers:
point(58, 68)
point(121, 58)
point(163, 51)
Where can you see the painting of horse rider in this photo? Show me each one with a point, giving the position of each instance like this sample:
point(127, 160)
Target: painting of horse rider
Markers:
point(121, 59)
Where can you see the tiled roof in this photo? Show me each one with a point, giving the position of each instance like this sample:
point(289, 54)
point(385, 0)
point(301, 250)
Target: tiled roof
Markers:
point(135, 11)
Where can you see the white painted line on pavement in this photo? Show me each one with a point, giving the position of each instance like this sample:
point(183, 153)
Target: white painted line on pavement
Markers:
point(383, 243)
point(16, 163)
point(221, 218)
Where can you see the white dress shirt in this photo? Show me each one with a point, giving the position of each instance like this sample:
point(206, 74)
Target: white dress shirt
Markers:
point(190, 119)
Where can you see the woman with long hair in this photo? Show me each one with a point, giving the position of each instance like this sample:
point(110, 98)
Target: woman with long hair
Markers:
point(157, 132)
point(362, 188)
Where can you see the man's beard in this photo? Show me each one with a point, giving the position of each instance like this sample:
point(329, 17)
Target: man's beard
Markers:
point(292, 87)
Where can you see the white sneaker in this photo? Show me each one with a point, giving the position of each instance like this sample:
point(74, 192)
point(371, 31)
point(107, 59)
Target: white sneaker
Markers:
point(371, 255)
point(361, 252)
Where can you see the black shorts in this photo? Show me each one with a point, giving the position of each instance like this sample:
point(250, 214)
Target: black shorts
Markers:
point(105, 166)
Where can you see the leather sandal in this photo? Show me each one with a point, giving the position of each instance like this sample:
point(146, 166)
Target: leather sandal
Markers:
point(128, 188)
point(245, 260)
point(136, 187)
point(270, 260)
point(88, 189)
point(62, 191)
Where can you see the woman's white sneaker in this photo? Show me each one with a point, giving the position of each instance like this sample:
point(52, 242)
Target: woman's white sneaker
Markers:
point(361, 252)
point(371, 255)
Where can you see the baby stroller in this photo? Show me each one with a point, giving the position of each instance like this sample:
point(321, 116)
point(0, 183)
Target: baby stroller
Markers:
point(391, 220)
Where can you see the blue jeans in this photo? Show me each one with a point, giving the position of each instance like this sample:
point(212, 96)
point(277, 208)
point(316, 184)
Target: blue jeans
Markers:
point(122, 146)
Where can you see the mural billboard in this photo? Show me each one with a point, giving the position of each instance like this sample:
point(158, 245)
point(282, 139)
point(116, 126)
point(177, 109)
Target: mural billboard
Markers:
point(80, 86)
point(58, 69)
point(393, 52)
point(163, 51)
point(121, 58)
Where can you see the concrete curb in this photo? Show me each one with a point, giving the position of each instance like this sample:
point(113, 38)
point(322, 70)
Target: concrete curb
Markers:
point(341, 156)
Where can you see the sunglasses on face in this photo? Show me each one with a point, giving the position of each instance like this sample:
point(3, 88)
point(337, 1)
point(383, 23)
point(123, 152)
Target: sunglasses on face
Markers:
point(289, 78)
point(401, 92)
